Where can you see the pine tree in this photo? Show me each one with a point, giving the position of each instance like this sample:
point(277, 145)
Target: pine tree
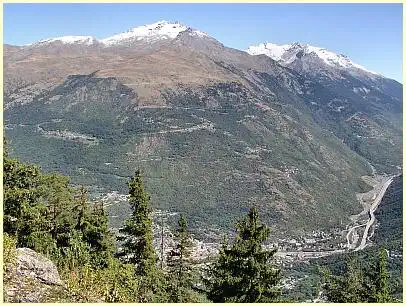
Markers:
point(359, 285)
point(244, 272)
point(82, 209)
point(178, 264)
point(137, 247)
point(382, 292)
point(99, 237)
point(61, 207)
point(355, 283)
point(346, 288)
point(62, 217)
point(24, 210)
point(92, 223)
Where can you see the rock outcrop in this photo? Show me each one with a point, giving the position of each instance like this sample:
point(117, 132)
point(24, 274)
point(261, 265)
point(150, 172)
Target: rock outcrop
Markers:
point(33, 279)
point(37, 266)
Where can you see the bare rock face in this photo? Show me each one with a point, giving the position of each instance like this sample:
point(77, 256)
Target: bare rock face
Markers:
point(34, 279)
point(37, 266)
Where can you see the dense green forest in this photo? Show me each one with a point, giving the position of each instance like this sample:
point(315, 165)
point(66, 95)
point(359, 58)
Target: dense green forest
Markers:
point(42, 211)
point(390, 217)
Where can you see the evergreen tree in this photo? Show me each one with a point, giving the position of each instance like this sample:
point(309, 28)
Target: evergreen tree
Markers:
point(99, 237)
point(61, 208)
point(82, 209)
point(24, 212)
point(177, 260)
point(359, 285)
point(243, 272)
point(72, 250)
point(382, 292)
point(347, 288)
point(42, 213)
point(92, 223)
point(137, 247)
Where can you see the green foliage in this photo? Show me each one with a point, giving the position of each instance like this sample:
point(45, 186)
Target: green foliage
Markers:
point(381, 277)
point(43, 242)
point(92, 222)
point(5, 147)
point(329, 171)
point(137, 247)
point(114, 284)
point(9, 252)
point(389, 215)
point(348, 288)
point(21, 193)
point(180, 288)
point(243, 272)
point(44, 214)
point(358, 284)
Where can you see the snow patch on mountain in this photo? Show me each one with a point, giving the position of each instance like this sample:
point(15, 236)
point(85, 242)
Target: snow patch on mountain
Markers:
point(161, 30)
point(272, 50)
point(286, 54)
point(152, 32)
point(198, 33)
point(85, 40)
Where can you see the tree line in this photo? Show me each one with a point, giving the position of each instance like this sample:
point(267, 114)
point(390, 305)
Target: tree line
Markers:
point(43, 212)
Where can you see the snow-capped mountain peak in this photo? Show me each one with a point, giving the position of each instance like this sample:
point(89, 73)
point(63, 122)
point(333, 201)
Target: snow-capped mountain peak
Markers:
point(272, 50)
point(85, 40)
point(286, 54)
point(151, 32)
point(161, 30)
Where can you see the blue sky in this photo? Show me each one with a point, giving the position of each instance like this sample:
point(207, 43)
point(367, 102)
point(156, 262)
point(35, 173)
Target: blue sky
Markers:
point(370, 34)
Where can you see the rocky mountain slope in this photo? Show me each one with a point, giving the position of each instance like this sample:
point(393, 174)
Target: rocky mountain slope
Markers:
point(368, 106)
point(214, 129)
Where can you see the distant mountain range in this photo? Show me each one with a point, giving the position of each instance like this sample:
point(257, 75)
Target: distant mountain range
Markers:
point(290, 129)
point(287, 54)
point(148, 33)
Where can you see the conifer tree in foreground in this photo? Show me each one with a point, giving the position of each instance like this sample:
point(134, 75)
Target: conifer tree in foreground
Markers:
point(382, 292)
point(178, 265)
point(92, 223)
point(243, 272)
point(137, 247)
point(347, 288)
point(359, 285)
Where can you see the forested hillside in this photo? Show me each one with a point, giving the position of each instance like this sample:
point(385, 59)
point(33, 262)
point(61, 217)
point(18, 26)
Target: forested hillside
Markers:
point(214, 129)
point(390, 217)
point(43, 212)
